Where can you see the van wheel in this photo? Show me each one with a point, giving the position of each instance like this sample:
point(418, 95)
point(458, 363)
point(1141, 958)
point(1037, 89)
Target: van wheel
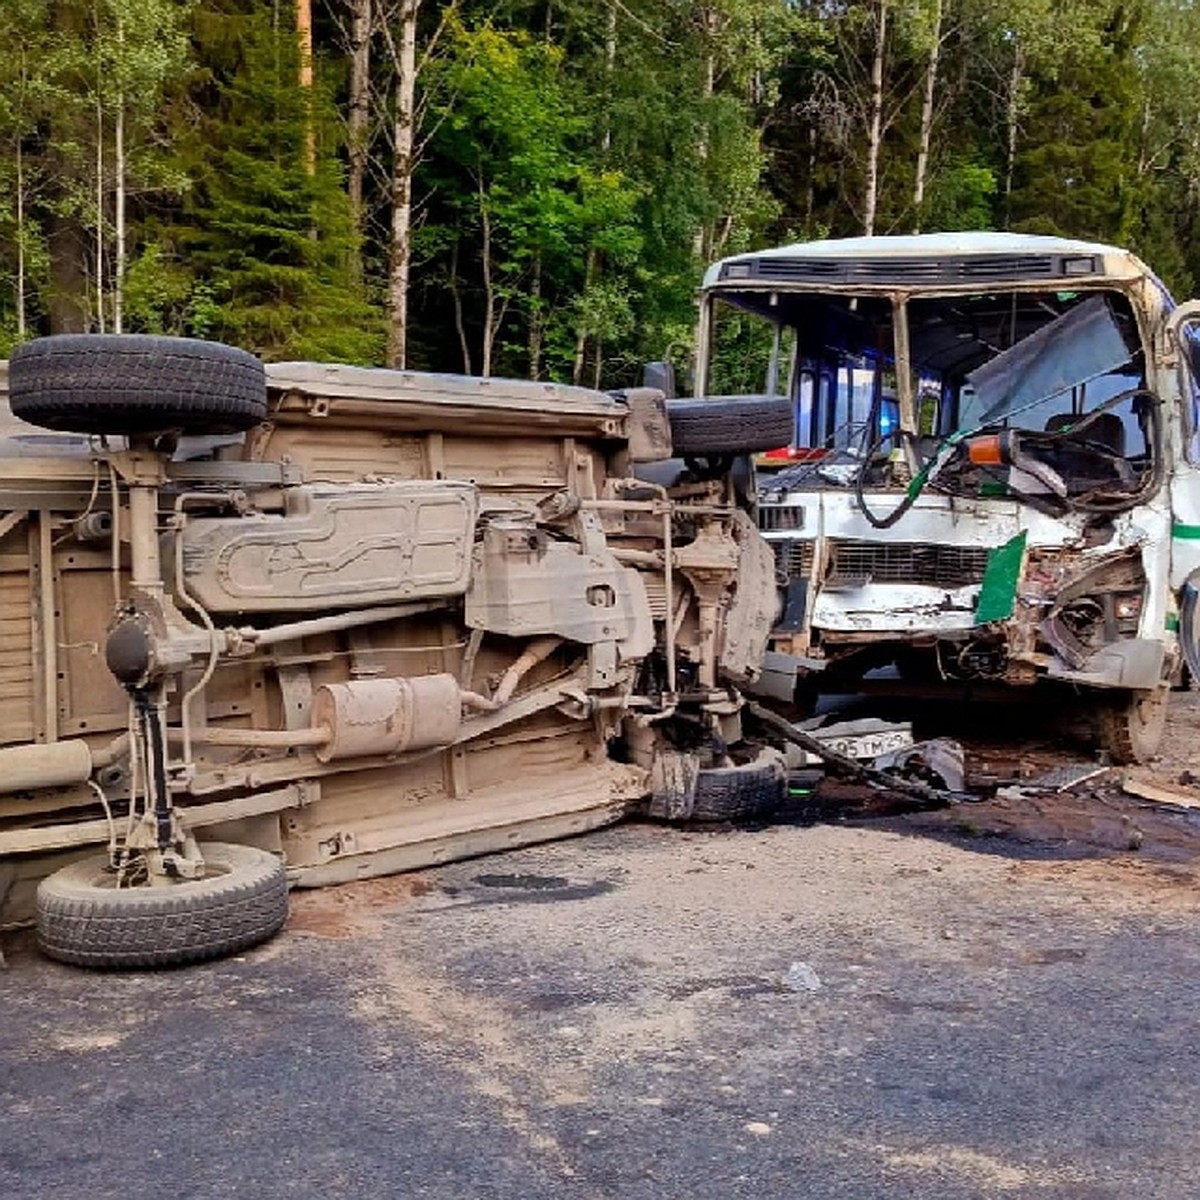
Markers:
point(83, 919)
point(131, 384)
point(730, 425)
point(739, 793)
point(1130, 726)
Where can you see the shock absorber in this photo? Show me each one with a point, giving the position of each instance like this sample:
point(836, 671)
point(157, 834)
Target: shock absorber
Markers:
point(150, 730)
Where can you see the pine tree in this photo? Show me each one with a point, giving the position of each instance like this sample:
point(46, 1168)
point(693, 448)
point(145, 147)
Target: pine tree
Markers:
point(266, 230)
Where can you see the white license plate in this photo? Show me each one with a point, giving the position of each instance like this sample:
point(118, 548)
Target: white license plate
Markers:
point(865, 746)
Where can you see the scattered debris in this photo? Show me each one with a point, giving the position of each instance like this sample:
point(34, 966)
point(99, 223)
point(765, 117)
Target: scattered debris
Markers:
point(939, 761)
point(1068, 775)
point(1064, 777)
point(841, 764)
point(1157, 794)
point(987, 773)
point(801, 977)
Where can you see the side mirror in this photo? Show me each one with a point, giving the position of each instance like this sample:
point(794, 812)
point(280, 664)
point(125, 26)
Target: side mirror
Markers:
point(660, 375)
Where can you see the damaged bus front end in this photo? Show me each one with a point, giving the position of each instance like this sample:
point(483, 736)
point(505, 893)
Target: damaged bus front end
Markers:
point(992, 475)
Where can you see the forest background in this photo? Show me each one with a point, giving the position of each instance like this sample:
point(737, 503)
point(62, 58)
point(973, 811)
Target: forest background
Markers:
point(533, 189)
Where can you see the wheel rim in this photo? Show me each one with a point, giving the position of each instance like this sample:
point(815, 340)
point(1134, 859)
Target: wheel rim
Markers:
point(104, 879)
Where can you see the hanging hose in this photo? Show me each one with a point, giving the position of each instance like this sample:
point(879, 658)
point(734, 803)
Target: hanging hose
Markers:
point(914, 489)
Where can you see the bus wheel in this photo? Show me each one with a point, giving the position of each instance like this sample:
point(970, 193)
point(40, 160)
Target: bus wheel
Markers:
point(1130, 725)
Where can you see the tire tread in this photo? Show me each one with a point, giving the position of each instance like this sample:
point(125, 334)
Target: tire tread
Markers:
point(135, 384)
point(150, 927)
point(1120, 731)
point(730, 424)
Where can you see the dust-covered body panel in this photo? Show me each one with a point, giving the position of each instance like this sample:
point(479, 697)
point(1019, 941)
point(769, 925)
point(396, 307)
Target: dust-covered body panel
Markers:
point(398, 619)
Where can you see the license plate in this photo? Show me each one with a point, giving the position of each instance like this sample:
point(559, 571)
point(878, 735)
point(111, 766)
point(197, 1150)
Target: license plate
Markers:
point(863, 746)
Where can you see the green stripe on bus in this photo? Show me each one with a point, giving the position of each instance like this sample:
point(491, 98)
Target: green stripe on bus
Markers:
point(1185, 532)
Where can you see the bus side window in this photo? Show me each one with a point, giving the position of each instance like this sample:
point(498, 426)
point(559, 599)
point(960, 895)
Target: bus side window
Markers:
point(806, 404)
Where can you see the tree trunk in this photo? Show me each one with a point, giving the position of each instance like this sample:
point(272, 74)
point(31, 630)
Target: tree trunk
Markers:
point(593, 264)
point(875, 120)
point(66, 229)
point(581, 335)
point(119, 189)
point(1144, 155)
point(67, 301)
point(305, 39)
point(459, 324)
point(535, 319)
point(810, 189)
point(593, 257)
point(20, 243)
point(118, 300)
point(931, 78)
point(403, 165)
point(489, 289)
point(700, 241)
point(99, 215)
point(1011, 116)
point(359, 106)
point(610, 67)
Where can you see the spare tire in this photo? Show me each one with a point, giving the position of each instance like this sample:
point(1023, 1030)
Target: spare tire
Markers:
point(730, 425)
point(135, 384)
point(83, 919)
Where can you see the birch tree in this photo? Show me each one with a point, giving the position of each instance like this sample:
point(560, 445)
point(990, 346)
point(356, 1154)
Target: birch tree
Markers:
point(358, 141)
point(140, 48)
point(27, 95)
point(933, 37)
point(402, 43)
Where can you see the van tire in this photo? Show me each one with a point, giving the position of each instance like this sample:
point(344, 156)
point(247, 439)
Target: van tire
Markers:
point(84, 920)
point(1130, 725)
point(742, 792)
point(136, 384)
point(730, 425)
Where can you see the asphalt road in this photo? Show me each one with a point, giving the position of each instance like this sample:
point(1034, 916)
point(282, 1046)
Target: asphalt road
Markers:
point(613, 1017)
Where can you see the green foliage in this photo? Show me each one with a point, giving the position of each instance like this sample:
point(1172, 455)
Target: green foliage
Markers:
point(519, 196)
point(741, 344)
point(962, 196)
point(158, 293)
point(580, 163)
point(266, 234)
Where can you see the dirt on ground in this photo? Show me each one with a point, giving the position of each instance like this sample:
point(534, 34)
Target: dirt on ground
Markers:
point(1125, 838)
point(1153, 810)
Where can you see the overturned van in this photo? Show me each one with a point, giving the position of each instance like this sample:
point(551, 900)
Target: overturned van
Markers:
point(305, 624)
point(994, 477)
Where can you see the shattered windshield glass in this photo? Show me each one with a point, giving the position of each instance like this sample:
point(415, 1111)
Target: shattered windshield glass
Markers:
point(1047, 398)
point(1059, 374)
point(1083, 344)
